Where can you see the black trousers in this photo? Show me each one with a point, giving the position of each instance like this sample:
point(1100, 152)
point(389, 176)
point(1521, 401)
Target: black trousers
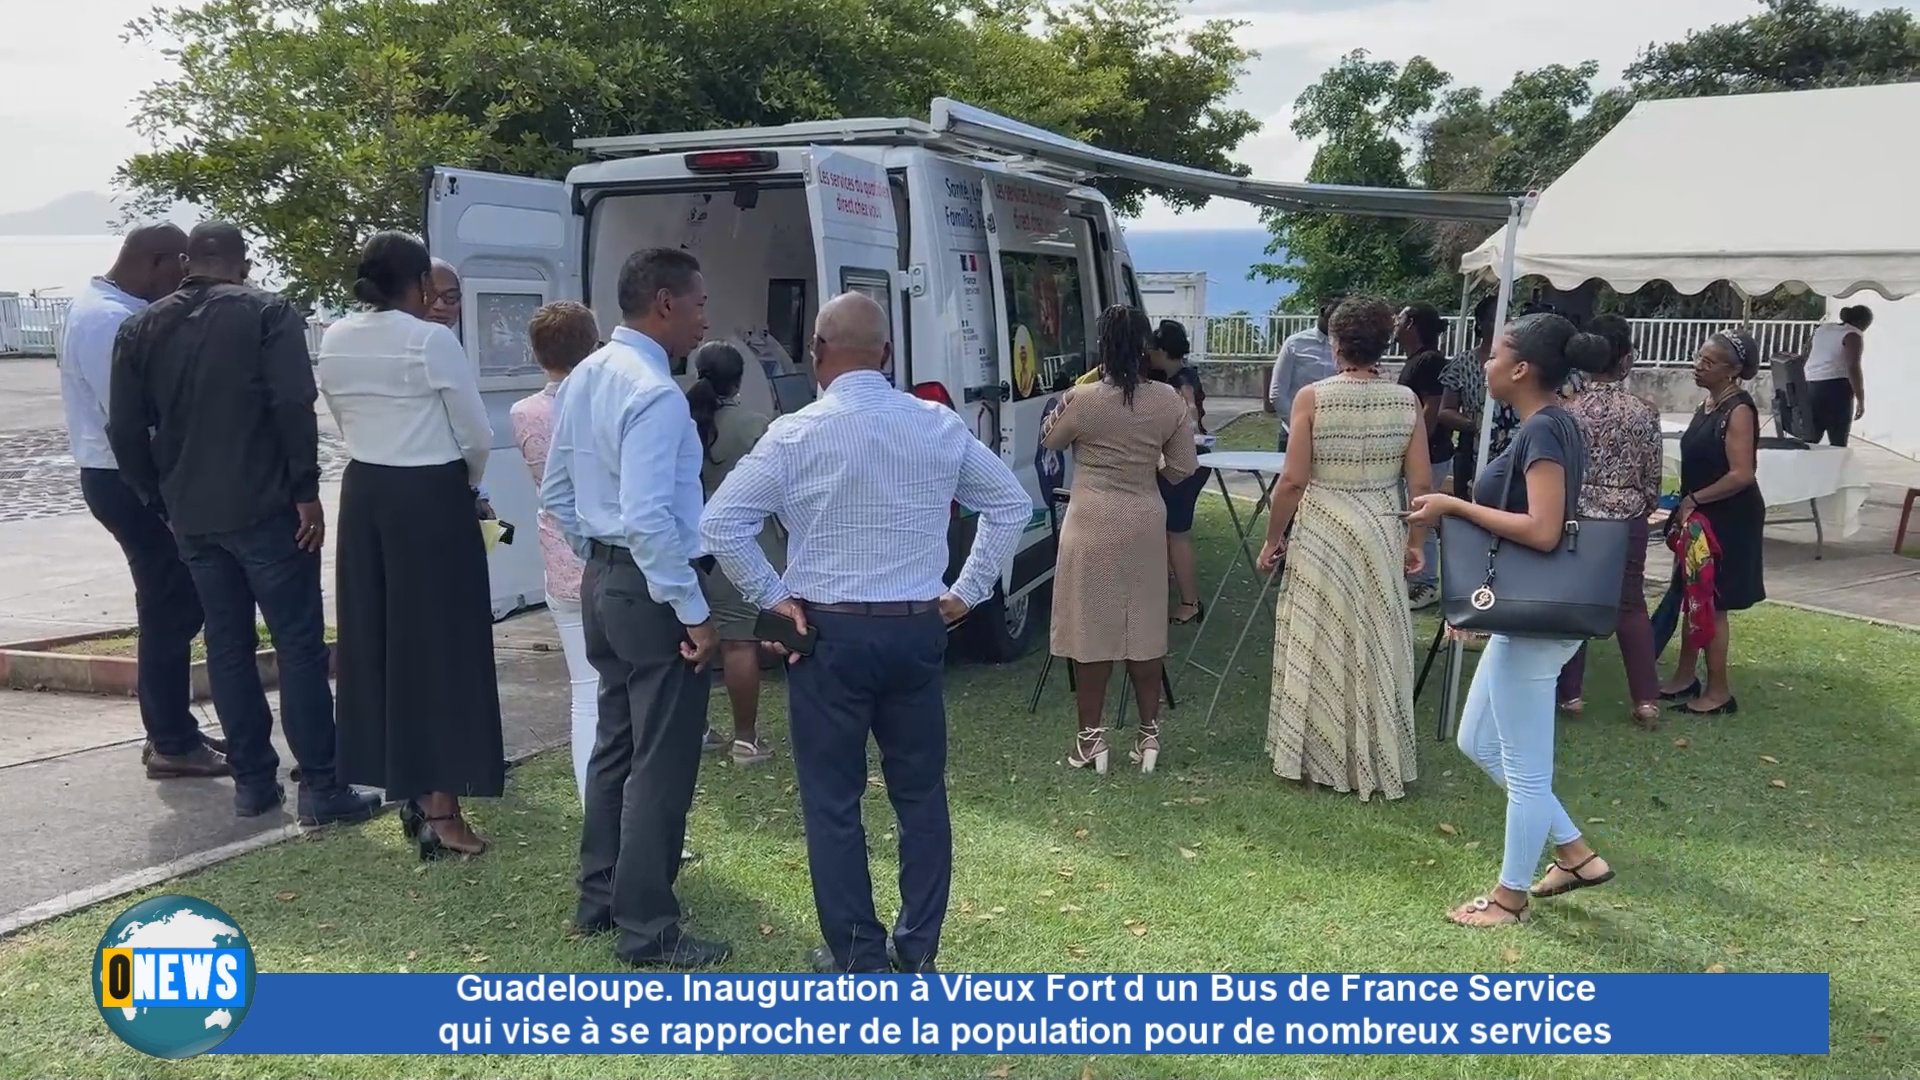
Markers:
point(646, 756)
point(419, 702)
point(1830, 403)
point(166, 606)
point(878, 675)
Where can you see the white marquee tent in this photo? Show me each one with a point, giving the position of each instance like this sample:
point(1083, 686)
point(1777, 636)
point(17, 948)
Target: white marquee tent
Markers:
point(1814, 188)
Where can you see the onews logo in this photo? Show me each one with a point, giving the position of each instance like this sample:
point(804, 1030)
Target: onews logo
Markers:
point(173, 976)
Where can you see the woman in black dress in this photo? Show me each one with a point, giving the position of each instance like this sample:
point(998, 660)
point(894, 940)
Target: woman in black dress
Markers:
point(419, 711)
point(1167, 363)
point(1718, 459)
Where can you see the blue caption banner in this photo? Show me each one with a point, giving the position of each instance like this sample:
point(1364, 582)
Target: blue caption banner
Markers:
point(1035, 1014)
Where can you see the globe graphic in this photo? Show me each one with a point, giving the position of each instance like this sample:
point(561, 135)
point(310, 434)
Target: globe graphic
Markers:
point(174, 922)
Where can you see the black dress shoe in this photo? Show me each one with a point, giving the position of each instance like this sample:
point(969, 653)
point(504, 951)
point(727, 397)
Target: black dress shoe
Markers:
point(909, 967)
point(1685, 693)
point(198, 762)
point(686, 953)
point(255, 801)
point(213, 743)
point(822, 962)
point(341, 806)
point(412, 818)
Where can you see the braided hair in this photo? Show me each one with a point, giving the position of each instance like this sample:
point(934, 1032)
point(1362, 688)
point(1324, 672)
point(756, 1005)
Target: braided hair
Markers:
point(1125, 334)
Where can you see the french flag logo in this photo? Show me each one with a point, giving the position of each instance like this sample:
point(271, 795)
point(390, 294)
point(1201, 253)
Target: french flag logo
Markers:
point(969, 263)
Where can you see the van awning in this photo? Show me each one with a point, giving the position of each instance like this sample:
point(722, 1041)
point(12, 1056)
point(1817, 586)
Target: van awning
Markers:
point(958, 128)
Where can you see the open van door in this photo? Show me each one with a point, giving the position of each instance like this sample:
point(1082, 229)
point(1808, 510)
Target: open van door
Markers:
point(516, 245)
point(1042, 290)
point(856, 234)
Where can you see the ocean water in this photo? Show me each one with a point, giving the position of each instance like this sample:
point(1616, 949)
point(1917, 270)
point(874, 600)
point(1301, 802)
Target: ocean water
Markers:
point(1224, 255)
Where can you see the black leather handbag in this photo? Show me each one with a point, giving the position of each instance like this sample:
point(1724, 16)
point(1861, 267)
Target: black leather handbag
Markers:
point(1491, 586)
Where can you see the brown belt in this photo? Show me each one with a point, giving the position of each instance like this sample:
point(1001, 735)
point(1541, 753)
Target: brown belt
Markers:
point(897, 609)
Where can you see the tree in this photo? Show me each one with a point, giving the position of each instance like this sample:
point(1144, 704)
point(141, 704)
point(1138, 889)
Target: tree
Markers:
point(1792, 45)
point(1238, 334)
point(1365, 111)
point(308, 122)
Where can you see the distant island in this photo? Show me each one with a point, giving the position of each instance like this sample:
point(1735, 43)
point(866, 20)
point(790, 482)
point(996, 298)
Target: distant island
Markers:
point(81, 213)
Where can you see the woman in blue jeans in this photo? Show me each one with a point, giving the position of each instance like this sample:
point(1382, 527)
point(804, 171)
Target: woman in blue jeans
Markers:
point(1508, 726)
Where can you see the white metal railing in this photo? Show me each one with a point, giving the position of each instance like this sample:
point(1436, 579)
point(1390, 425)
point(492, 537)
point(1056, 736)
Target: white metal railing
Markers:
point(1660, 342)
point(37, 325)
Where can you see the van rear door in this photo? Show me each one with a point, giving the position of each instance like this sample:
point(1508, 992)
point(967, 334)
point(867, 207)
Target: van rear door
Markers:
point(856, 234)
point(516, 245)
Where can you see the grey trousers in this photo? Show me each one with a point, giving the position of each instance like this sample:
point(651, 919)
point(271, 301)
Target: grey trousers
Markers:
point(646, 756)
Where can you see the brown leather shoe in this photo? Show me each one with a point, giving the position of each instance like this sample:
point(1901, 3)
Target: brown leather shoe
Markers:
point(199, 763)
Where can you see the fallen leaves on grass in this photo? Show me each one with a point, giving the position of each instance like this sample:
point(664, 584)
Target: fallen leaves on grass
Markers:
point(1078, 952)
point(1509, 955)
point(1716, 969)
point(1189, 853)
point(1068, 909)
point(766, 930)
point(1682, 743)
point(1447, 830)
point(1135, 927)
point(1777, 783)
point(1769, 759)
point(289, 894)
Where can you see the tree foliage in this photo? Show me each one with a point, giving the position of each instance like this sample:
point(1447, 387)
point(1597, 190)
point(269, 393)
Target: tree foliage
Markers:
point(308, 122)
point(1365, 111)
point(1528, 134)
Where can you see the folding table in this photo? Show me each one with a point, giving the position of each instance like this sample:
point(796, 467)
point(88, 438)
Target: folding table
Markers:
point(1264, 466)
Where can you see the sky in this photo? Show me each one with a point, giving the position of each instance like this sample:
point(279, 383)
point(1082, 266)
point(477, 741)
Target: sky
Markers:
point(71, 81)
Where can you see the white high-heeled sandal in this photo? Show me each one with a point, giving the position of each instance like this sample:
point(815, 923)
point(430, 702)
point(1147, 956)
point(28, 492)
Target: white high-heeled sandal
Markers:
point(1146, 748)
point(1089, 748)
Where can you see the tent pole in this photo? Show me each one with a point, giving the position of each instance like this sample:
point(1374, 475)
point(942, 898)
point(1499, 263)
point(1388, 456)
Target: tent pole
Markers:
point(1463, 333)
point(1449, 716)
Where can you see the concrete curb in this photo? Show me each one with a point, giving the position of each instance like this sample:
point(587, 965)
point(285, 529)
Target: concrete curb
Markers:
point(80, 899)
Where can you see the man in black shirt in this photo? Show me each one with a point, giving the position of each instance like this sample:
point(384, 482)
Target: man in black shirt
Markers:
point(212, 415)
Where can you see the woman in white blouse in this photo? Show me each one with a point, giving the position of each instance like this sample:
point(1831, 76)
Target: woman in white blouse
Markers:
point(418, 708)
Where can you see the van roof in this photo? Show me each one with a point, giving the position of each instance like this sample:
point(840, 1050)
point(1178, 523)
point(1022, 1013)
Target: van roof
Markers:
point(961, 130)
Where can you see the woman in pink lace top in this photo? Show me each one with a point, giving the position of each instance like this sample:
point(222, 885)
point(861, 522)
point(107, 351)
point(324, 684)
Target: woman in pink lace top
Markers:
point(562, 334)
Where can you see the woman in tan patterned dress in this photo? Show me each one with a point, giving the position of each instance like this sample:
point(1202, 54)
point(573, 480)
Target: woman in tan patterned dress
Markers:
point(1341, 710)
point(1110, 583)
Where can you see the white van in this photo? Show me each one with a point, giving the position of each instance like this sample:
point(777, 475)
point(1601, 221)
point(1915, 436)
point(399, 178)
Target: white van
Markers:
point(994, 271)
point(976, 232)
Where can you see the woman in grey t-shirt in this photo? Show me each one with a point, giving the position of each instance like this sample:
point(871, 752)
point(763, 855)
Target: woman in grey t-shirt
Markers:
point(1508, 725)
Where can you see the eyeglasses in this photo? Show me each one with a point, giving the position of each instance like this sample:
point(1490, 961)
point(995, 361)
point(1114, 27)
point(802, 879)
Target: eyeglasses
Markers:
point(448, 296)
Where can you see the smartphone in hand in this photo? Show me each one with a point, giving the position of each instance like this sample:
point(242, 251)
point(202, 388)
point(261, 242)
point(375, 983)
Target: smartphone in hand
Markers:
point(777, 628)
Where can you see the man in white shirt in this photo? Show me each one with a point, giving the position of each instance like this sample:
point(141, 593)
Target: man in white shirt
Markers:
point(148, 267)
point(864, 479)
point(1305, 358)
point(623, 485)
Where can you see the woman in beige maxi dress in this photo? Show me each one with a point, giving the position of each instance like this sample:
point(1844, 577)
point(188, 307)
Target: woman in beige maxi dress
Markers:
point(1110, 583)
point(1341, 710)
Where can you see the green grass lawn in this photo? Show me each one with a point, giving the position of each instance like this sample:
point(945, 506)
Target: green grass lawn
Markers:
point(1249, 431)
point(1777, 840)
point(128, 644)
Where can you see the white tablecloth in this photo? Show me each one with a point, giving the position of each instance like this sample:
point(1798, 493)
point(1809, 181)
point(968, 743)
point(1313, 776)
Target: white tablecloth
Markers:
point(1829, 477)
point(1268, 462)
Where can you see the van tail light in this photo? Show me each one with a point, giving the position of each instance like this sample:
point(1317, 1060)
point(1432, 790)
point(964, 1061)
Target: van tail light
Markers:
point(933, 391)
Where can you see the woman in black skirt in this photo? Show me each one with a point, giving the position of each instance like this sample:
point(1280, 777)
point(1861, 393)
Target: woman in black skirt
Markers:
point(418, 708)
point(1719, 455)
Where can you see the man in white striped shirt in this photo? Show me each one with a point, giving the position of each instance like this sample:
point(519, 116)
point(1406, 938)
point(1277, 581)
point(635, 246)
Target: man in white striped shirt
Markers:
point(864, 480)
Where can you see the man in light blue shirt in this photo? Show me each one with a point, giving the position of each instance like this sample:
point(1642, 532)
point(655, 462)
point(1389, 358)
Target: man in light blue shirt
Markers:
point(865, 479)
point(623, 484)
point(148, 267)
point(1305, 359)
